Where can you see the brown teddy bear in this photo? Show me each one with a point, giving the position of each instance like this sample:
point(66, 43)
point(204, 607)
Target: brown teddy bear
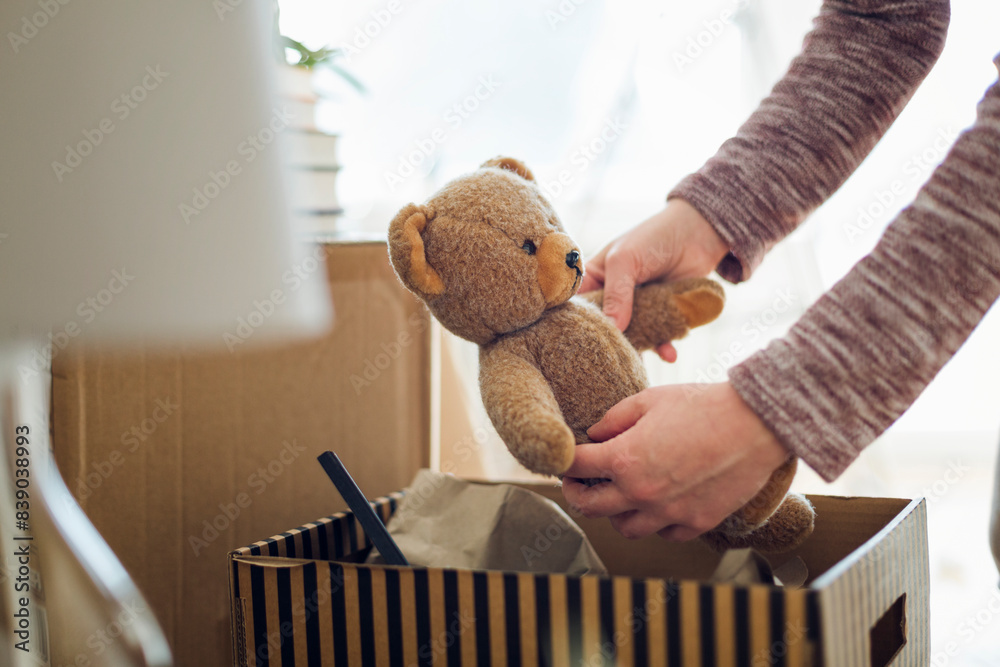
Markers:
point(492, 262)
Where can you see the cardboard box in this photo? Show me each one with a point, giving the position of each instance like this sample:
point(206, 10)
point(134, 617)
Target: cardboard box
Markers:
point(303, 597)
point(179, 458)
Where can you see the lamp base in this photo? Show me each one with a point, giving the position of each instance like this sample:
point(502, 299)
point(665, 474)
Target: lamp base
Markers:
point(66, 599)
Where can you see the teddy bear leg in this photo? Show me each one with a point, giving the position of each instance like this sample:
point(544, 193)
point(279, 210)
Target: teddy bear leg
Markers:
point(773, 521)
point(525, 413)
point(769, 498)
point(787, 528)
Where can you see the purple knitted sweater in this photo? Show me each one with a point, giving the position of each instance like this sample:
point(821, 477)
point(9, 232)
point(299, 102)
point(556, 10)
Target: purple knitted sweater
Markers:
point(860, 356)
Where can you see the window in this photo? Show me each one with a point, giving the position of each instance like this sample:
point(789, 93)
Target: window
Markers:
point(610, 104)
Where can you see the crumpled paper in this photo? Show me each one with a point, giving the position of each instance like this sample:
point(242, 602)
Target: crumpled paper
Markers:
point(446, 522)
point(743, 567)
point(746, 566)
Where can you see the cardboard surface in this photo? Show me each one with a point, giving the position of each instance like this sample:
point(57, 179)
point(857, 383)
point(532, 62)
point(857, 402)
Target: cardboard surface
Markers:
point(178, 458)
point(842, 526)
point(302, 598)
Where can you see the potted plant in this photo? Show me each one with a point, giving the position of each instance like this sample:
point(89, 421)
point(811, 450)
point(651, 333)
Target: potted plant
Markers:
point(298, 64)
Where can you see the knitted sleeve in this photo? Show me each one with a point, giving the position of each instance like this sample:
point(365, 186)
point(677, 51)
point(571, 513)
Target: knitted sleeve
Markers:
point(858, 68)
point(860, 356)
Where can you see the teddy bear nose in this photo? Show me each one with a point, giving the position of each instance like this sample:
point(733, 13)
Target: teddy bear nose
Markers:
point(572, 258)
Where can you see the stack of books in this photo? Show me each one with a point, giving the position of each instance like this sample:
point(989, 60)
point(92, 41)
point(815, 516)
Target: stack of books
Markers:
point(311, 158)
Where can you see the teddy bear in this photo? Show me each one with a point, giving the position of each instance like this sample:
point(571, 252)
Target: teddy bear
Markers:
point(491, 260)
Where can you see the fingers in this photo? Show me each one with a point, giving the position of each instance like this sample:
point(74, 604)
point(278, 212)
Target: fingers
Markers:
point(593, 275)
point(636, 525)
point(619, 290)
point(592, 461)
point(618, 419)
point(678, 533)
point(600, 500)
point(667, 352)
point(621, 274)
point(590, 283)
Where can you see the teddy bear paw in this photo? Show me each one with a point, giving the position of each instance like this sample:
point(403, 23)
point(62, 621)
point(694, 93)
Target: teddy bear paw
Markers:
point(548, 450)
point(785, 530)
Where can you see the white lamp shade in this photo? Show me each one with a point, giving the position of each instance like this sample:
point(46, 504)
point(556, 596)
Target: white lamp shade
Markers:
point(142, 189)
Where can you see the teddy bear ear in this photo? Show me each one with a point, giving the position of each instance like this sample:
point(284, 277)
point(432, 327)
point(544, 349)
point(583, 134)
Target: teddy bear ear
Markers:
point(510, 164)
point(701, 304)
point(406, 250)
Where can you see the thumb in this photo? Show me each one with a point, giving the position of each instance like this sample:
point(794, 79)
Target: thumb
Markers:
point(589, 283)
point(592, 461)
point(667, 352)
point(618, 419)
point(619, 288)
point(618, 293)
point(593, 274)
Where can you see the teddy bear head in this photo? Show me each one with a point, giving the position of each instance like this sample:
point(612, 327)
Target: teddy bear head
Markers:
point(486, 253)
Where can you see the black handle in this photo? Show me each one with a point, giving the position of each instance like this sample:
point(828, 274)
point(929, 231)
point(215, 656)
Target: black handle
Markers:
point(356, 500)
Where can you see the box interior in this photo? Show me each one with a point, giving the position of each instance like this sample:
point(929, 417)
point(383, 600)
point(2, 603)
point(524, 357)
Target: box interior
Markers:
point(842, 525)
point(842, 576)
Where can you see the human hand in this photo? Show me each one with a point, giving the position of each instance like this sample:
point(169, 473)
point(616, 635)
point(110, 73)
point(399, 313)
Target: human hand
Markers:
point(675, 243)
point(679, 458)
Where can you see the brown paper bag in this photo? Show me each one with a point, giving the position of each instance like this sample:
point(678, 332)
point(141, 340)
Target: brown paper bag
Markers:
point(444, 521)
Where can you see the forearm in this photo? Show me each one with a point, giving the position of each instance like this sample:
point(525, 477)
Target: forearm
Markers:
point(859, 66)
point(864, 352)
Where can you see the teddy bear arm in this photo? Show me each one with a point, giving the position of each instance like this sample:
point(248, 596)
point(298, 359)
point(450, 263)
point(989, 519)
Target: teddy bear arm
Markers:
point(641, 332)
point(525, 413)
point(664, 312)
point(655, 318)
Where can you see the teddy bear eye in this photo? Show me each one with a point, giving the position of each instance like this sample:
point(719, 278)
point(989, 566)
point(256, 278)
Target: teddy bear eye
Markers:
point(528, 247)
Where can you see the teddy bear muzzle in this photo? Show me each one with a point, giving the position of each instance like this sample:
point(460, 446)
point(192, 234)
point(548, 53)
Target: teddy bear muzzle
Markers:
point(560, 268)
